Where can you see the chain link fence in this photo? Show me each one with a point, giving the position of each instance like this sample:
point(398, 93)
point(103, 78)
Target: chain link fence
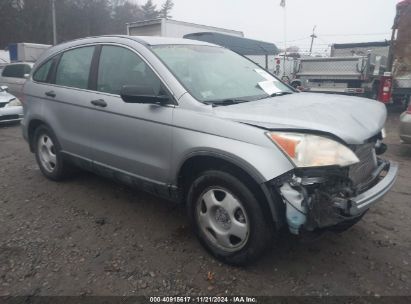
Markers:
point(283, 68)
point(333, 74)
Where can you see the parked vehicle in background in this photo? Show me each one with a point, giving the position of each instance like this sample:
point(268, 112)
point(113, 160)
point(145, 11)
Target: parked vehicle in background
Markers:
point(201, 125)
point(11, 109)
point(14, 76)
point(260, 52)
point(400, 53)
point(354, 75)
point(405, 125)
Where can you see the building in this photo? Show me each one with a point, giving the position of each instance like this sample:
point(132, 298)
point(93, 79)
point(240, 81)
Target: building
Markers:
point(171, 28)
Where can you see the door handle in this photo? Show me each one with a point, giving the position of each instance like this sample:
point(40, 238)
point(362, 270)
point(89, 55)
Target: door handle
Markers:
point(50, 94)
point(99, 103)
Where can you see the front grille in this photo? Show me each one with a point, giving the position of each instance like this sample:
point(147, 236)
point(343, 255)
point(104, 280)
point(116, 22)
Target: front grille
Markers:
point(3, 104)
point(362, 171)
point(9, 117)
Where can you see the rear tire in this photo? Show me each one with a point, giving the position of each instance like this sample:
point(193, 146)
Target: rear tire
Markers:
point(48, 155)
point(227, 218)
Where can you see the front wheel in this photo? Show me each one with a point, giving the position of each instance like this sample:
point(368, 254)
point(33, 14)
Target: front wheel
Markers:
point(227, 218)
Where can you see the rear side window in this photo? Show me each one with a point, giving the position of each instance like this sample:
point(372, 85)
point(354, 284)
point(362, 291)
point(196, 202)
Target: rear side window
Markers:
point(16, 70)
point(74, 68)
point(129, 69)
point(42, 72)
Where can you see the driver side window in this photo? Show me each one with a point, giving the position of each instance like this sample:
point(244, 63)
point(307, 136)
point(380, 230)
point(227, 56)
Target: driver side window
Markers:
point(119, 66)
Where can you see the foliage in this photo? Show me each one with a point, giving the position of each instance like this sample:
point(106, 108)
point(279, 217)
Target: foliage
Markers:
point(166, 9)
point(31, 20)
point(149, 10)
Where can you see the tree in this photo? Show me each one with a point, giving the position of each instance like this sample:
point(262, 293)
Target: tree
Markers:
point(149, 10)
point(31, 20)
point(125, 13)
point(166, 9)
point(293, 51)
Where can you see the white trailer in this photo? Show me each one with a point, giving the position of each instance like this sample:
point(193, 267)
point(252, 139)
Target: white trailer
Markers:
point(171, 28)
point(28, 52)
point(4, 58)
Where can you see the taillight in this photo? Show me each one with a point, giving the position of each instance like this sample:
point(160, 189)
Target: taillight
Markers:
point(409, 109)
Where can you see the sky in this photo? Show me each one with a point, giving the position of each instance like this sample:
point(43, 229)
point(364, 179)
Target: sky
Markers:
point(336, 21)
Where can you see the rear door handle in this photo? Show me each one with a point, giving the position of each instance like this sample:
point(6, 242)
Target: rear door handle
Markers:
point(99, 103)
point(50, 94)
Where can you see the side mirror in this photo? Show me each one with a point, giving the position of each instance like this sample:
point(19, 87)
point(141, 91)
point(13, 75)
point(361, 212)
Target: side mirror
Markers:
point(140, 94)
point(4, 88)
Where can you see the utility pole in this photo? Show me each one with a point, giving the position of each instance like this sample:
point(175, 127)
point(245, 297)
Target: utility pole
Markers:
point(313, 36)
point(283, 5)
point(53, 14)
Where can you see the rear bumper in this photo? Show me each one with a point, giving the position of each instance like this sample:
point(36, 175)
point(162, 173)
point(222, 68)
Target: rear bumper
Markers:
point(365, 200)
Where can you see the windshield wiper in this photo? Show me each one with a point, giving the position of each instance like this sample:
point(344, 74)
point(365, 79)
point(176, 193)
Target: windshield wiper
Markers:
point(275, 95)
point(280, 94)
point(228, 101)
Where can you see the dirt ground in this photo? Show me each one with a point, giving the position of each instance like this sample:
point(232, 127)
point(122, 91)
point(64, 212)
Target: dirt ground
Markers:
point(91, 236)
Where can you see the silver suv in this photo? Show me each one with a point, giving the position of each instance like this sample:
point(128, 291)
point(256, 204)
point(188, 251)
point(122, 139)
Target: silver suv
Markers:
point(198, 124)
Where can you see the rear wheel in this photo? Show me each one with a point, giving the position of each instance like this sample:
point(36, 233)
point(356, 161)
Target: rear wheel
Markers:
point(48, 155)
point(227, 218)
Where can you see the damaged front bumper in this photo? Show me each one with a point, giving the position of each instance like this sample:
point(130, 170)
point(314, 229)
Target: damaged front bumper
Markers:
point(366, 199)
point(321, 198)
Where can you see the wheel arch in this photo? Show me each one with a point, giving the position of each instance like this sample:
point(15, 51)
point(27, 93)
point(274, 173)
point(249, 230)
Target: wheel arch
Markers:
point(199, 162)
point(32, 126)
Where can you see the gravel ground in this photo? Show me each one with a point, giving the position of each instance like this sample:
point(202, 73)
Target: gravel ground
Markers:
point(91, 236)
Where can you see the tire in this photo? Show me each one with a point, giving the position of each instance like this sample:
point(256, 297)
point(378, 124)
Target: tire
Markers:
point(228, 219)
point(48, 156)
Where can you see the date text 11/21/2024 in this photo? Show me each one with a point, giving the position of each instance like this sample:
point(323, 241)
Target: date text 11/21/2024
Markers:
point(203, 299)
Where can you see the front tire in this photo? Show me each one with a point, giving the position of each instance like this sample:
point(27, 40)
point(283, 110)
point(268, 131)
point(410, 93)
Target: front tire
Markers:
point(227, 218)
point(48, 155)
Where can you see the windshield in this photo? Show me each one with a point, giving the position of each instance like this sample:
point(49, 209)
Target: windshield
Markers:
point(214, 74)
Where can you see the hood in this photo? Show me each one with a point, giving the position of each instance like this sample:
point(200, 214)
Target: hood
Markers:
point(5, 97)
point(352, 119)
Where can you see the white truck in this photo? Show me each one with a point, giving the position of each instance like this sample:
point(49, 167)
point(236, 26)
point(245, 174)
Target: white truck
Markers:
point(355, 75)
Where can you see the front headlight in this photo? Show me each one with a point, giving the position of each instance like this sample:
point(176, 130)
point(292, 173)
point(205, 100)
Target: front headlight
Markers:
point(13, 103)
point(383, 133)
point(307, 150)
